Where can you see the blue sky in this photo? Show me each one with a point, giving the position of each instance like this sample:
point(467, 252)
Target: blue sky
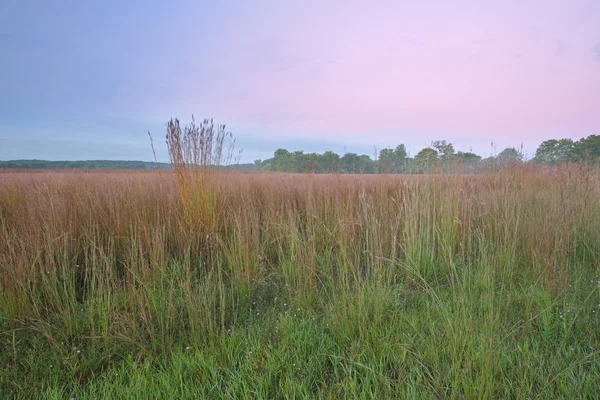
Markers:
point(87, 80)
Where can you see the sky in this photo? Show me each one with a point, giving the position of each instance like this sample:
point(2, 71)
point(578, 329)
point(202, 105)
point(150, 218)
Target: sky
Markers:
point(88, 79)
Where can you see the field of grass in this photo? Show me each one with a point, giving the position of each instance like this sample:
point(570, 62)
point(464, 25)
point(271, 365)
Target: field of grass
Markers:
point(301, 286)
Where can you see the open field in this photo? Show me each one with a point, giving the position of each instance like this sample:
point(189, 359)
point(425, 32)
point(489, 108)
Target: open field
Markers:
point(305, 286)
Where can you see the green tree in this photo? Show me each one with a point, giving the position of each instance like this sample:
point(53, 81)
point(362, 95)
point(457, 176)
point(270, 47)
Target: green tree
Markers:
point(587, 150)
point(386, 161)
point(554, 151)
point(392, 161)
point(510, 155)
point(467, 157)
point(311, 162)
point(349, 163)
point(425, 159)
point(366, 165)
point(445, 150)
point(401, 158)
point(330, 162)
point(283, 160)
point(298, 163)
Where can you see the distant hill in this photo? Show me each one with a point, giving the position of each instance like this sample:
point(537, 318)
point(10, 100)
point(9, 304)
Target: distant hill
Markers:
point(100, 164)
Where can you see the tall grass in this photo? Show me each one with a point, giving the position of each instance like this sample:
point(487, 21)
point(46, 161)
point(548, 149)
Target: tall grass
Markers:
point(318, 285)
point(196, 153)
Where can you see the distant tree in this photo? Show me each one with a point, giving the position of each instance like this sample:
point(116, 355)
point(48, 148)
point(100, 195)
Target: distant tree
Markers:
point(88, 164)
point(400, 152)
point(283, 160)
point(467, 162)
point(349, 163)
point(401, 158)
point(296, 162)
point(467, 157)
point(488, 162)
point(444, 149)
point(392, 161)
point(425, 159)
point(330, 162)
point(587, 150)
point(554, 151)
point(311, 162)
point(510, 155)
point(426, 155)
point(366, 164)
point(386, 162)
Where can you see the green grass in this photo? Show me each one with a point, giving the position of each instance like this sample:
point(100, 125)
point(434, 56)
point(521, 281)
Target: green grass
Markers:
point(311, 287)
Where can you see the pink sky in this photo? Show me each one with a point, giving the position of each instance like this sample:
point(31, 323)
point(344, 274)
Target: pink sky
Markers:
point(350, 72)
point(510, 71)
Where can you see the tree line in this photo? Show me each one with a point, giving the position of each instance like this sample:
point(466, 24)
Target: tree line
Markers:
point(102, 165)
point(440, 155)
point(86, 164)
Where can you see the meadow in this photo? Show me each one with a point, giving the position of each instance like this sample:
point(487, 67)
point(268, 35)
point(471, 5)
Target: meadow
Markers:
point(124, 285)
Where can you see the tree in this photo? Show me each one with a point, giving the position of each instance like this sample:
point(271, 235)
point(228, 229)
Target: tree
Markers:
point(365, 164)
point(467, 161)
point(387, 160)
point(392, 161)
point(282, 161)
point(554, 151)
point(330, 162)
point(400, 152)
point(425, 159)
point(467, 157)
point(510, 155)
point(349, 163)
point(587, 149)
point(400, 158)
point(298, 163)
point(311, 162)
point(444, 149)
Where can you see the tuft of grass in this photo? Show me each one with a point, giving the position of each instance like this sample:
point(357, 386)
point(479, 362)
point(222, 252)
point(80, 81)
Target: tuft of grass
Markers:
point(196, 153)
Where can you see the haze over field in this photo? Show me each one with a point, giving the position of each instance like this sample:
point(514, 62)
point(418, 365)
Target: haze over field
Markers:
point(81, 81)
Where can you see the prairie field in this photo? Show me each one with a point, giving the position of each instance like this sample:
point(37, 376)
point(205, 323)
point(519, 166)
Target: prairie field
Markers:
point(270, 285)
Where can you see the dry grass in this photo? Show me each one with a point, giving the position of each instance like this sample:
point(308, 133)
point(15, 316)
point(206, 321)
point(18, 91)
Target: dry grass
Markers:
point(114, 263)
